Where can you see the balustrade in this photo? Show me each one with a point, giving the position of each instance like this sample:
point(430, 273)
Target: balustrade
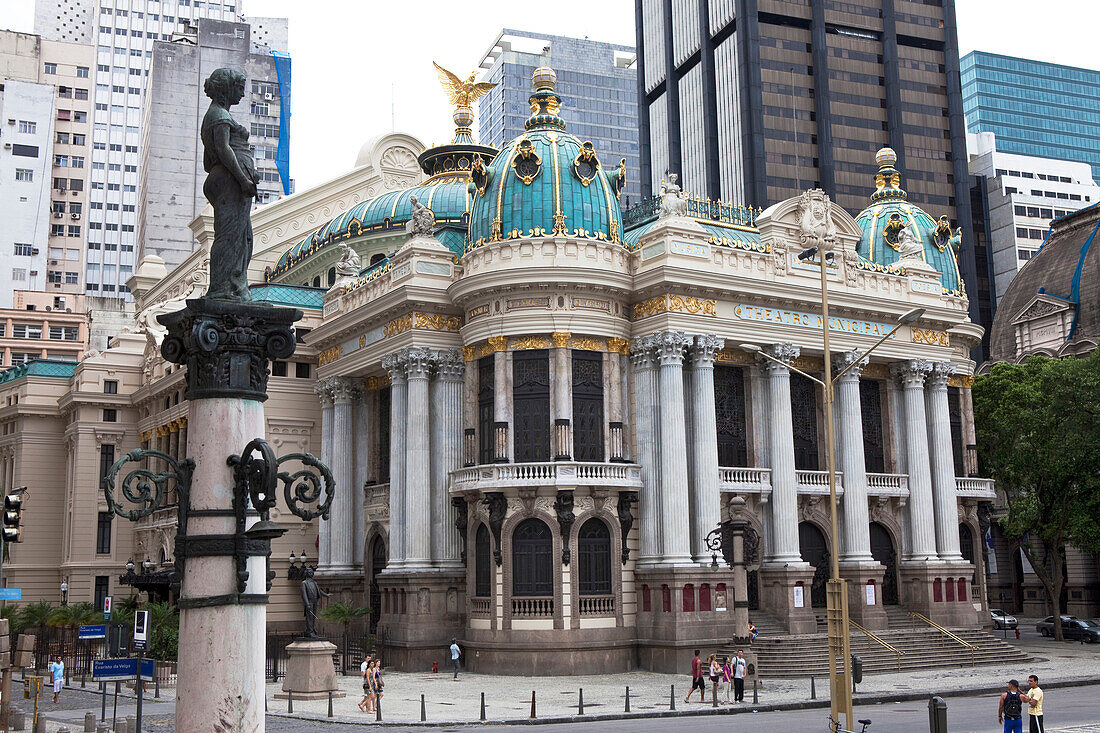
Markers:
point(480, 606)
point(597, 605)
point(888, 484)
point(549, 474)
point(533, 607)
point(974, 488)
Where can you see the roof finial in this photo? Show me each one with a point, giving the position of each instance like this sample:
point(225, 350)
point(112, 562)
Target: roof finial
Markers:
point(888, 179)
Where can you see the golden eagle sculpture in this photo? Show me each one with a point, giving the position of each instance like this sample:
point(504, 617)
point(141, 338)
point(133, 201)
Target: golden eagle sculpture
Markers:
point(462, 93)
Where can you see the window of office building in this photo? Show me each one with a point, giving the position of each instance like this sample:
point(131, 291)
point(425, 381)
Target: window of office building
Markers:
point(103, 533)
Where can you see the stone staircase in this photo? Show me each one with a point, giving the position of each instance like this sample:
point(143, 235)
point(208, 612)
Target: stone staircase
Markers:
point(783, 655)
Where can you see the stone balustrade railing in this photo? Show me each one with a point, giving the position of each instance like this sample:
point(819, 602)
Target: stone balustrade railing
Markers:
point(817, 482)
point(597, 605)
point(480, 606)
point(888, 484)
point(975, 488)
point(533, 607)
point(494, 477)
point(745, 480)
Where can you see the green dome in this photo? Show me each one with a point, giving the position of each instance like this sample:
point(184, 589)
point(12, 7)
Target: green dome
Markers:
point(889, 212)
point(546, 182)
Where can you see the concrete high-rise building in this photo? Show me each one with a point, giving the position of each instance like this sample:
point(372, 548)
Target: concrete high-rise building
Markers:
point(122, 34)
point(752, 101)
point(1033, 107)
point(172, 175)
point(599, 79)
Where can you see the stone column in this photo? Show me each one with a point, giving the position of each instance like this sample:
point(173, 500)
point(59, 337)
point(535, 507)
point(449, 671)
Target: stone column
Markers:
point(395, 365)
point(561, 381)
point(784, 499)
point(446, 418)
point(911, 375)
point(342, 516)
point(323, 390)
point(944, 498)
point(704, 479)
point(418, 456)
point(851, 460)
point(502, 398)
point(645, 390)
point(675, 527)
point(363, 436)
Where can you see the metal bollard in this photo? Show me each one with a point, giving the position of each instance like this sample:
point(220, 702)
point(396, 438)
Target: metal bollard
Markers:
point(17, 719)
point(627, 710)
point(580, 702)
point(83, 676)
point(330, 703)
point(423, 710)
point(483, 706)
point(156, 687)
point(532, 703)
point(40, 724)
point(290, 701)
point(378, 708)
point(937, 715)
point(714, 695)
point(121, 727)
point(89, 722)
point(672, 697)
point(755, 699)
point(102, 728)
point(813, 689)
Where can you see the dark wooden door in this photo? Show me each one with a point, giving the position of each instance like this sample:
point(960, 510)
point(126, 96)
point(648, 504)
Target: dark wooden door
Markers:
point(377, 565)
point(531, 405)
point(882, 549)
point(729, 411)
point(814, 550)
point(804, 422)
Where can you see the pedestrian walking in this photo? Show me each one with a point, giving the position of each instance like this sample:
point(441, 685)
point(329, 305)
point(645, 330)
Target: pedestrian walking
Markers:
point(1035, 705)
point(727, 677)
point(364, 668)
point(57, 670)
point(1010, 710)
point(740, 667)
point(379, 685)
point(698, 682)
point(456, 652)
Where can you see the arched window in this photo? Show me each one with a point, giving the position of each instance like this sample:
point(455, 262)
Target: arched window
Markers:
point(594, 558)
point(331, 276)
point(377, 257)
point(532, 559)
point(317, 281)
point(483, 568)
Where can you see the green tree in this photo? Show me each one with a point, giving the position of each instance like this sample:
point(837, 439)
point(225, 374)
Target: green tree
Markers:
point(1037, 426)
point(343, 613)
point(123, 610)
point(164, 622)
point(35, 615)
point(74, 615)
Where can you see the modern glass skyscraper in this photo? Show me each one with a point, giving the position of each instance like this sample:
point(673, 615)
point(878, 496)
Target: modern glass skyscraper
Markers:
point(1033, 107)
point(598, 79)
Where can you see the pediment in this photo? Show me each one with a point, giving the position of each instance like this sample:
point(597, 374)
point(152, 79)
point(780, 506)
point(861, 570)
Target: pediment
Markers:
point(1039, 306)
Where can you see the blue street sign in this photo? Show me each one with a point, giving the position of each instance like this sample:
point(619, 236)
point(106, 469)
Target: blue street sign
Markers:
point(11, 594)
point(92, 632)
point(117, 670)
point(148, 669)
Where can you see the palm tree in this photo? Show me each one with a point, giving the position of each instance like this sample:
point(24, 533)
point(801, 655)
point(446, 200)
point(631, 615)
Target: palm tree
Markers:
point(123, 610)
point(343, 613)
point(73, 615)
point(164, 624)
point(35, 615)
point(11, 613)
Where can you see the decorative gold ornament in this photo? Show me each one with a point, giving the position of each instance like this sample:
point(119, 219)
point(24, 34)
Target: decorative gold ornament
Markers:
point(526, 163)
point(689, 304)
point(497, 343)
point(398, 325)
point(330, 355)
point(560, 339)
point(526, 343)
point(586, 165)
point(617, 345)
point(461, 93)
point(932, 338)
point(584, 343)
point(650, 307)
point(559, 225)
point(437, 321)
point(963, 381)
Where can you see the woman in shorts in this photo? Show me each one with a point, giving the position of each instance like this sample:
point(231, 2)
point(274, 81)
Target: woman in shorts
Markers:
point(715, 672)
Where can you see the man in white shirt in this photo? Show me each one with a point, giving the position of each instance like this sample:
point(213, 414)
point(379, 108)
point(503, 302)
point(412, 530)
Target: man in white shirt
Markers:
point(455, 654)
point(739, 668)
point(1035, 705)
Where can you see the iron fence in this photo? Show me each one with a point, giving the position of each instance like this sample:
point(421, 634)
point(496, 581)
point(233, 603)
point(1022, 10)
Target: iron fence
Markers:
point(51, 641)
point(350, 650)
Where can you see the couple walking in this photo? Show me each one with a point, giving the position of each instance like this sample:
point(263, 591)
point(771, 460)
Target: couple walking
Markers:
point(1010, 710)
point(727, 673)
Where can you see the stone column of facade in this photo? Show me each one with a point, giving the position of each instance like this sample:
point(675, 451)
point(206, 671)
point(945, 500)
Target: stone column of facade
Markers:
point(418, 457)
point(851, 461)
point(675, 527)
point(323, 390)
point(561, 367)
point(911, 375)
point(446, 418)
point(502, 398)
point(363, 436)
point(944, 500)
point(342, 516)
point(704, 479)
point(645, 390)
point(784, 499)
point(395, 365)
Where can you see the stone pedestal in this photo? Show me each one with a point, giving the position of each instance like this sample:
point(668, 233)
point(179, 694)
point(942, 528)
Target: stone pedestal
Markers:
point(670, 635)
point(421, 612)
point(919, 583)
point(778, 595)
point(859, 574)
point(310, 673)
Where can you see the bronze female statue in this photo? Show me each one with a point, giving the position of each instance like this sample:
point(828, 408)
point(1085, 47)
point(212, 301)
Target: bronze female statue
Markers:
point(230, 187)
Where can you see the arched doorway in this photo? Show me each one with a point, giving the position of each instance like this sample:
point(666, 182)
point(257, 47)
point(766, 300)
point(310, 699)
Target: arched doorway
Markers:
point(377, 564)
point(966, 548)
point(882, 549)
point(814, 550)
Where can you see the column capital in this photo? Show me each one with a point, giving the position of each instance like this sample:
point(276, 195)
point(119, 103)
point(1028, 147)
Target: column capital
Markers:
point(449, 364)
point(616, 345)
point(705, 348)
point(670, 346)
point(323, 389)
point(911, 373)
point(844, 359)
point(395, 364)
point(939, 373)
point(345, 389)
point(560, 339)
point(419, 361)
point(785, 352)
point(643, 352)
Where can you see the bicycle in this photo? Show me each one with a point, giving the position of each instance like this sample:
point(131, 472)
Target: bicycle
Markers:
point(834, 726)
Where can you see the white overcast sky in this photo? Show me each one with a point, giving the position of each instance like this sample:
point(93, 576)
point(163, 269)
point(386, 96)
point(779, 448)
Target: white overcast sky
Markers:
point(364, 67)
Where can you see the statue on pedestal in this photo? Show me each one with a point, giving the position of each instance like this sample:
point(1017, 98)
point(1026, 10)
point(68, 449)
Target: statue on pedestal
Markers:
point(910, 248)
point(673, 202)
point(422, 220)
point(311, 594)
point(230, 187)
point(349, 264)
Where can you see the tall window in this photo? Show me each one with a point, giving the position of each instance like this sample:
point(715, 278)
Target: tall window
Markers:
point(870, 403)
point(588, 405)
point(804, 422)
point(531, 401)
point(103, 534)
point(594, 558)
point(485, 381)
point(102, 588)
point(106, 458)
point(483, 567)
point(729, 409)
point(954, 409)
point(532, 559)
point(384, 436)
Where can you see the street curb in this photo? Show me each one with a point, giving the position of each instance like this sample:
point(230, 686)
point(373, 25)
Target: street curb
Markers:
point(707, 710)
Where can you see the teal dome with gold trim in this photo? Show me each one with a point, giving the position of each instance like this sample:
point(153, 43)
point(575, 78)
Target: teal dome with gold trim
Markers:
point(546, 182)
point(890, 212)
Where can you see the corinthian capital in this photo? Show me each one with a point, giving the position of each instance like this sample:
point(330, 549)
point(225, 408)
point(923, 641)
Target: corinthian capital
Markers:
point(323, 389)
point(784, 352)
point(705, 348)
point(395, 364)
point(643, 352)
point(846, 359)
point(449, 364)
point(940, 372)
point(911, 373)
point(345, 389)
point(670, 346)
point(418, 362)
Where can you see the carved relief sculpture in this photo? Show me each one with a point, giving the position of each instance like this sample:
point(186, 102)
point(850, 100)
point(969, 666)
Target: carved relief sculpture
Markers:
point(498, 508)
point(563, 507)
point(421, 221)
point(626, 518)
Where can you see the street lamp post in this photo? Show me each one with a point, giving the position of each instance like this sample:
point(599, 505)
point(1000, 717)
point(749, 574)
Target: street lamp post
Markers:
point(836, 595)
point(65, 592)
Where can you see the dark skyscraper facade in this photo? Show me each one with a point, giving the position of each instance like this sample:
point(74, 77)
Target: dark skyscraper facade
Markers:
point(752, 101)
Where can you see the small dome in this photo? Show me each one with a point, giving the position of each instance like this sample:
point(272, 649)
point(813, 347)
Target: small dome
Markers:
point(546, 182)
point(890, 212)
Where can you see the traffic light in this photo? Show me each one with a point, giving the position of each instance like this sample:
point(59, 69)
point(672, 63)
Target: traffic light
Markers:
point(13, 516)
